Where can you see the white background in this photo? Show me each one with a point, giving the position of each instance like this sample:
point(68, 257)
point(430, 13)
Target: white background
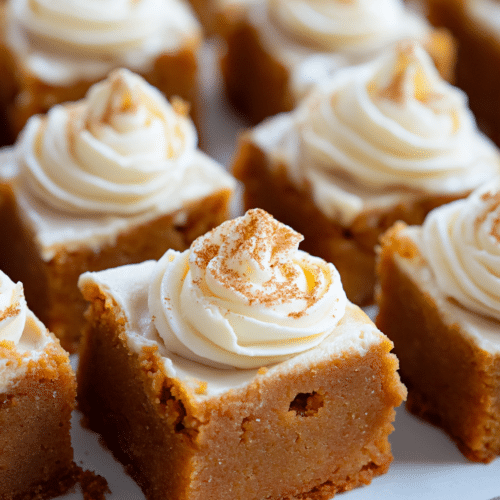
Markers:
point(427, 465)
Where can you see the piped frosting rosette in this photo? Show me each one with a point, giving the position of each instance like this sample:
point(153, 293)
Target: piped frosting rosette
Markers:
point(346, 25)
point(392, 123)
point(13, 309)
point(121, 150)
point(461, 242)
point(244, 296)
point(103, 28)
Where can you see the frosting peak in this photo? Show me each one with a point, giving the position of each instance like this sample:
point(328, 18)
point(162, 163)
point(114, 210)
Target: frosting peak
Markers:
point(461, 242)
point(244, 295)
point(252, 261)
point(408, 82)
point(13, 309)
point(121, 150)
point(405, 78)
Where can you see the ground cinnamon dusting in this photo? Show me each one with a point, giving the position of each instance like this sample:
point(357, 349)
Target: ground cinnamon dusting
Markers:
point(181, 107)
point(260, 239)
point(121, 99)
point(493, 199)
point(10, 311)
point(395, 90)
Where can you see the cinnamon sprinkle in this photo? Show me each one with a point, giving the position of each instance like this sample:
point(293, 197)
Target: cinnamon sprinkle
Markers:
point(10, 311)
point(493, 201)
point(258, 239)
point(395, 90)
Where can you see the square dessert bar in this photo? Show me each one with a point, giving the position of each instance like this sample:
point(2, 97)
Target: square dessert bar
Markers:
point(113, 179)
point(307, 427)
point(37, 396)
point(43, 63)
point(450, 356)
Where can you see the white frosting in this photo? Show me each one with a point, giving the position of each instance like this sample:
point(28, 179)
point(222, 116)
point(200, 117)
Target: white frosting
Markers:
point(121, 150)
point(461, 242)
point(128, 287)
point(62, 41)
point(13, 309)
point(338, 25)
point(20, 327)
point(244, 296)
point(486, 13)
point(389, 124)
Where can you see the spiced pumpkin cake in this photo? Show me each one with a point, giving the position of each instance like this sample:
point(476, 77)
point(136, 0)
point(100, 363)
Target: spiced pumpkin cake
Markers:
point(52, 52)
point(384, 141)
point(439, 302)
point(237, 369)
point(277, 50)
point(113, 179)
point(37, 395)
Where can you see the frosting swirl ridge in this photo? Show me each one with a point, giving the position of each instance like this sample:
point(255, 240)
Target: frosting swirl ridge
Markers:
point(244, 296)
point(390, 123)
point(345, 25)
point(461, 242)
point(123, 149)
point(13, 309)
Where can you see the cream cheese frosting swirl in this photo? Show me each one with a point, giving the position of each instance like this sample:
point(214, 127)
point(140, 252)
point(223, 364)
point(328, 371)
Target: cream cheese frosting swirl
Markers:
point(63, 40)
point(461, 242)
point(106, 27)
point(346, 25)
point(392, 123)
point(13, 309)
point(121, 150)
point(244, 296)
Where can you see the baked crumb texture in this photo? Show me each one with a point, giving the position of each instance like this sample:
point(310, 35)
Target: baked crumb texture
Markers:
point(22, 94)
point(351, 249)
point(51, 286)
point(258, 84)
point(314, 432)
point(36, 458)
point(478, 52)
point(93, 486)
point(451, 382)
